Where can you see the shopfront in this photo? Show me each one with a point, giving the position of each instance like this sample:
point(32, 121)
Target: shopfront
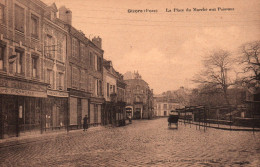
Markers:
point(95, 111)
point(56, 110)
point(78, 108)
point(21, 107)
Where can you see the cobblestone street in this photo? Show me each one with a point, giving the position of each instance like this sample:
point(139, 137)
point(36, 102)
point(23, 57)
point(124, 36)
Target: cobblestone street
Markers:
point(142, 143)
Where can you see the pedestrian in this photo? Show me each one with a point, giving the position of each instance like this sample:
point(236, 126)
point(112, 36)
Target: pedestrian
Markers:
point(85, 123)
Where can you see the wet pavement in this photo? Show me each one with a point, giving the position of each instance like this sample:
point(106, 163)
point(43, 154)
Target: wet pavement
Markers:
point(142, 143)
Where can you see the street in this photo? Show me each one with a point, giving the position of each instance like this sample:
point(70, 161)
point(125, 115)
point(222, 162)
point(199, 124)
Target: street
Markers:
point(142, 143)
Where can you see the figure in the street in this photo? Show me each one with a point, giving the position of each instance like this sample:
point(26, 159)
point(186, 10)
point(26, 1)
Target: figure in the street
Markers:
point(130, 119)
point(85, 123)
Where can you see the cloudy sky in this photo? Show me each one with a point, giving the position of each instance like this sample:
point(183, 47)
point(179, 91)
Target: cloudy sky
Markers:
point(165, 47)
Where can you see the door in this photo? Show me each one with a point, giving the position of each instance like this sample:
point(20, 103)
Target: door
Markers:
point(10, 117)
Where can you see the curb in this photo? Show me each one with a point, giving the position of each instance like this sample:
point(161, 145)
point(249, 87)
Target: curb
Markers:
point(15, 141)
point(223, 128)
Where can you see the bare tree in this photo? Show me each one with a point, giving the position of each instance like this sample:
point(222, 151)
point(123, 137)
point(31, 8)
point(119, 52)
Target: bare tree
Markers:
point(215, 70)
point(250, 61)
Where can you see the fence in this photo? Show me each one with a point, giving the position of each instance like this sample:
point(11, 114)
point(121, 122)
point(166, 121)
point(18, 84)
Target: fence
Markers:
point(247, 115)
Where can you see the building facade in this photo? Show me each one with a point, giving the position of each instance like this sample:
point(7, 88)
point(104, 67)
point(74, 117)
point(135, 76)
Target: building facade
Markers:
point(114, 94)
point(54, 70)
point(23, 89)
point(138, 98)
point(84, 74)
point(163, 106)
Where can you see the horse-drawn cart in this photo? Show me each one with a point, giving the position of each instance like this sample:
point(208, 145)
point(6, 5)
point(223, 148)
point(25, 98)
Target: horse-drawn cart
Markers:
point(173, 118)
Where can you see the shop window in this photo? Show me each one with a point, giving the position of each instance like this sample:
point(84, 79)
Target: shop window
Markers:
point(2, 58)
point(95, 113)
point(35, 66)
point(34, 26)
point(2, 16)
point(19, 18)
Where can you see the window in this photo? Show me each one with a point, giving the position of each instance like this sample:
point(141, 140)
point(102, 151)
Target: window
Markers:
point(108, 94)
point(99, 66)
point(96, 62)
point(165, 106)
point(16, 62)
point(34, 26)
point(137, 87)
point(75, 47)
point(60, 81)
point(2, 14)
point(49, 47)
point(128, 101)
point(60, 50)
point(137, 99)
point(2, 52)
point(34, 66)
point(82, 50)
point(19, 18)
point(100, 88)
point(50, 78)
point(114, 89)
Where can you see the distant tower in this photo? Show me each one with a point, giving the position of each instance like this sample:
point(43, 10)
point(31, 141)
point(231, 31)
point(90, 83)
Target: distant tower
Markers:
point(65, 15)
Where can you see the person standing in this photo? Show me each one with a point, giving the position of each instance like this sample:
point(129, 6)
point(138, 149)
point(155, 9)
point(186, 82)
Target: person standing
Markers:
point(85, 123)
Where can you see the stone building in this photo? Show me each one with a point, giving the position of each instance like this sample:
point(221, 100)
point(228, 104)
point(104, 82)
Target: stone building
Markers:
point(84, 74)
point(23, 89)
point(114, 94)
point(163, 105)
point(54, 70)
point(138, 97)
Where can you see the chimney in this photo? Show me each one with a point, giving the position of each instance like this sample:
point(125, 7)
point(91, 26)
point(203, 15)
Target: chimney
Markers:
point(65, 15)
point(97, 41)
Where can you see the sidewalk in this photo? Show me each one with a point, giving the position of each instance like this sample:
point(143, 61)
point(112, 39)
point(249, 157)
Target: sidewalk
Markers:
point(13, 141)
point(222, 126)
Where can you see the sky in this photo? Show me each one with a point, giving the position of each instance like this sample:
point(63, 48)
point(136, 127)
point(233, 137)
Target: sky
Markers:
point(165, 47)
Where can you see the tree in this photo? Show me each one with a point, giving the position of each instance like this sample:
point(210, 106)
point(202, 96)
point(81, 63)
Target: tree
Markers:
point(250, 61)
point(215, 70)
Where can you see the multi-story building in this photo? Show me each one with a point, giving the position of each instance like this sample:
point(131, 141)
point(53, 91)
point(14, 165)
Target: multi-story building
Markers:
point(114, 94)
point(84, 74)
point(95, 71)
point(138, 97)
point(23, 89)
point(54, 70)
point(163, 106)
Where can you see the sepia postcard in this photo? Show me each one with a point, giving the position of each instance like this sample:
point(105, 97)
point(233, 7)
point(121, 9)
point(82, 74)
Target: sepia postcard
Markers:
point(129, 83)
